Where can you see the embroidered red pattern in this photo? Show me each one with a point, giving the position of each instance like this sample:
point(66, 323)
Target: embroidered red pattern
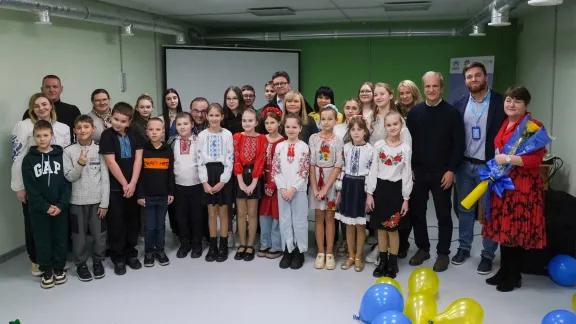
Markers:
point(393, 221)
point(249, 147)
point(185, 146)
point(290, 155)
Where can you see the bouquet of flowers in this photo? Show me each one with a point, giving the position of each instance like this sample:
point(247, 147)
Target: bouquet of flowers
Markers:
point(528, 138)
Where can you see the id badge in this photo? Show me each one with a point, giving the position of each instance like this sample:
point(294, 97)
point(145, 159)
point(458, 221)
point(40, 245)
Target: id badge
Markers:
point(476, 133)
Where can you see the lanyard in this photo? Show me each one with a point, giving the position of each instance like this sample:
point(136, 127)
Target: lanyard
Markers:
point(486, 102)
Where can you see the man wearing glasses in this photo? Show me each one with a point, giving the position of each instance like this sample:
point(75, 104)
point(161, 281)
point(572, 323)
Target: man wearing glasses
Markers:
point(281, 83)
point(198, 109)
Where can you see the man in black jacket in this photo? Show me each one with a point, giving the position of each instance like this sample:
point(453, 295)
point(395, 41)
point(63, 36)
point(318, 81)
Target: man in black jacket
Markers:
point(65, 113)
point(483, 114)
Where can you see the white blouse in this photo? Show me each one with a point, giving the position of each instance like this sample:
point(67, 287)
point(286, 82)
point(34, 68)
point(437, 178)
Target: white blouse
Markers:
point(186, 161)
point(291, 166)
point(340, 130)
point(326, 153)
point(213, 148)
point(378, 131)
point(392, 164)
point(357, 162)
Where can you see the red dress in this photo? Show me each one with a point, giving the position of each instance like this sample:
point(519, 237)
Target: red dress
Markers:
point(269, 203)
point(517, 219)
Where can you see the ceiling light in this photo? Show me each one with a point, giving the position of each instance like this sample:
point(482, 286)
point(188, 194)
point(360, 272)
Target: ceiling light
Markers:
point(406, 6)
point(477, 30)
point(43, 18)
point(271, 12)
point(127, 30)
point(180, 40)
point(545, 2)
point(500, 18)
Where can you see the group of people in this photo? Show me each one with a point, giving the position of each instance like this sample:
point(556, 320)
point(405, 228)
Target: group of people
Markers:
point(371, 165)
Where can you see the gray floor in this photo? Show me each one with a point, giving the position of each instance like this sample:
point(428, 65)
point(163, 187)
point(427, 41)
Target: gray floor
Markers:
point(194, 291)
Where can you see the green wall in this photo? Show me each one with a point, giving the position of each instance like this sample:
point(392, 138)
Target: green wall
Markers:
point(344, 64)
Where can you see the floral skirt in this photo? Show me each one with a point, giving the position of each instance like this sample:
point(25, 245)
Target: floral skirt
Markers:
point(388, 202)
point(329, 201)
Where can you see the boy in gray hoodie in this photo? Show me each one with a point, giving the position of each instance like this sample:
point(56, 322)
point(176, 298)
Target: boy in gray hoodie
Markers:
point(86, 169)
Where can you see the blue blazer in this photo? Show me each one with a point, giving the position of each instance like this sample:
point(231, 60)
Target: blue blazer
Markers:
point(496, 118)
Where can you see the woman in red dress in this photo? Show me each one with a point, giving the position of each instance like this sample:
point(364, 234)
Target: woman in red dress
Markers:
point(516, 219)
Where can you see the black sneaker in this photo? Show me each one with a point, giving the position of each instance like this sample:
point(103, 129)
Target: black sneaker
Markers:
point(148, 259)
point(60, 276)
point(460, 257)
point(47, 279)
point(134, 263)
point(98, 269)
point(183, 249)
point(297, 259)
point(162, 258)
point(196, 250)
point(212, 250)
point(83, 273)
point(286, 260)
point(485, 266)
point(120, 268)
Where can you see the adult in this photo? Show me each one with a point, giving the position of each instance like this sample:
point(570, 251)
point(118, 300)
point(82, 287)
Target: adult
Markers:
point(101, 112)
point(269, 91)
point(171, 106)
point(249, 96)
point(294, 105)
point(324, 96)
point(438, 145)
point(52, 88)
point(281, 84)
point(366, 96)
point(483, 113)
point(233, 106)
point(40, 107)
point(198, 109)
point(408, 96)
point(517, 219)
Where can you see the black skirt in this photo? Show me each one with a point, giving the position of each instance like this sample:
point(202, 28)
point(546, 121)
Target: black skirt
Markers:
point(247, 176)
point(223, 197)
point(388, 202)
point(352, 207)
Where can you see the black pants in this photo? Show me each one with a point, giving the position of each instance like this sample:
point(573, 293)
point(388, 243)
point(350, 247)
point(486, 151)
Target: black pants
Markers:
point(424, 183)
point(28, 235)
point(123, 221)
point(172, 218)
point(404, 234)
point(51, 239)
point(189, 212)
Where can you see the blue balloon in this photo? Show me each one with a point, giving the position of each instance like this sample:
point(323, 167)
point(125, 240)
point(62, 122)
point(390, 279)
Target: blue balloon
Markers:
point(559, 317)
point(562, 269)
point(391, 317)
point(378, 299)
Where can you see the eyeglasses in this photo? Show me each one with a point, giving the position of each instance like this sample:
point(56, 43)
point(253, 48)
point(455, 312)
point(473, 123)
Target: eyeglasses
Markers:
point(231, 99)
point(280, 84)
point(248, 96)
point(198, 112)
point(366, 91)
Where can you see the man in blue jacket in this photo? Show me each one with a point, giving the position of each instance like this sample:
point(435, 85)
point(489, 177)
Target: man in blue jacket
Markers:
point(483, 114)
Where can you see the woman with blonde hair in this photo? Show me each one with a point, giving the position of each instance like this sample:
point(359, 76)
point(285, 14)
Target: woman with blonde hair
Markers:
point(294, 104)
point(408, 96)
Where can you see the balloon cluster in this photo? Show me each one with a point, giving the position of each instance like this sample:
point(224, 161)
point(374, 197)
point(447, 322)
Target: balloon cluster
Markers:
point(384, 303)
point(561, 316)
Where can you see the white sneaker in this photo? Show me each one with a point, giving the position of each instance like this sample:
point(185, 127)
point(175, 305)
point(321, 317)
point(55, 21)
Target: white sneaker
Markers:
point(372, 257)
point(330, 262)
point(320, 262)
point(371, 240)
point(230, 240)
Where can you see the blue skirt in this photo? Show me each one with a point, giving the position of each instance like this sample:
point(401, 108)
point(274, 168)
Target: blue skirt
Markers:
point(352, 207)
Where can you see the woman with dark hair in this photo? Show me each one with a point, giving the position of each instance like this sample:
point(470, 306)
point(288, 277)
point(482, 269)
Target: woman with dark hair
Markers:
point(142, 113)
point(517, 219)
point(324, 96)
point(233, 108)
point(101, 112)
point(171, 106)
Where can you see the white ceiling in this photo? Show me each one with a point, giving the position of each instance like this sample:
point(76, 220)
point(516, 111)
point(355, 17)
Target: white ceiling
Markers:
point(233, 12)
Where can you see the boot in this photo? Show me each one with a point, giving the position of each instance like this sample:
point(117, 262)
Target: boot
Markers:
point(392, 269)
point(184, 249)
point(382, 266)
point(223, 252)
point(212, 250)
point(513, 278)
point(286, 259)
point(501, 274)
point(196, 250)
point(297, 259)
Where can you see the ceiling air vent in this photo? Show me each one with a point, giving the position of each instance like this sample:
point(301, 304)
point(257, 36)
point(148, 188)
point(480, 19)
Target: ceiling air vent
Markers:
point(406, 6)
point(271, 12)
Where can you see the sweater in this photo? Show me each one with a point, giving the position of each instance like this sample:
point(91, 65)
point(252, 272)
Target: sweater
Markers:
point(157, 175)
point(437, 137)
point(44, 179)
point(65, 113)
point(90, 183)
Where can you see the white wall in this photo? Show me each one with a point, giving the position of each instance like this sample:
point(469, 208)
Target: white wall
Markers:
point(547, 66)
point(85, 56)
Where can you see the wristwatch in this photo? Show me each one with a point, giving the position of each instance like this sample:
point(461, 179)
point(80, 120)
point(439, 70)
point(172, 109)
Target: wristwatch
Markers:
point(508, 159)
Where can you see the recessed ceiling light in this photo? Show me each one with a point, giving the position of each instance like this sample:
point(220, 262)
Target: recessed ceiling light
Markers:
point(406, 6)
point(545, 2)
point(271, 12)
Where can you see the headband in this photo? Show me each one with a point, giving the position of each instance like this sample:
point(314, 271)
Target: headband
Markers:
point(359, 116)
point(272, 109)
point(332, 106)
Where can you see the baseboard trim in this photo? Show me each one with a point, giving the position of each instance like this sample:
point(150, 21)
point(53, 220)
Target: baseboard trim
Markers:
point(9, 255)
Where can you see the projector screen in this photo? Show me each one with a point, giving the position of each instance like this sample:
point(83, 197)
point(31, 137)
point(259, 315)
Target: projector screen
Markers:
point(208, 71)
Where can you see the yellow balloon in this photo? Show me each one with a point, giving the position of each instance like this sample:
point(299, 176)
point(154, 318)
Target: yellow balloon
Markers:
point(461, 311)
point(390, 281)
point(423, 281)
point(420, 308)
point(574, 302)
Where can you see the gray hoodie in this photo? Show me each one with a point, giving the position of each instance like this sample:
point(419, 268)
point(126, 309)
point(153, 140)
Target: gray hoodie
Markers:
point(90, 183)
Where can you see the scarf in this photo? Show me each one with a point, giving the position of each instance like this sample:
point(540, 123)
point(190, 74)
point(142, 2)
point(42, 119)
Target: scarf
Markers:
point(105, 117)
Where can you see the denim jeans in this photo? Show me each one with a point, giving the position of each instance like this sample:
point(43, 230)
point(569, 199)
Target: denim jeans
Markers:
point(270, 234)
point(466, 180)
point(155, 210)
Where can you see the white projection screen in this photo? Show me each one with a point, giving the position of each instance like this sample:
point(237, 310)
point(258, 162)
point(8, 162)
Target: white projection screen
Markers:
point(207, 71)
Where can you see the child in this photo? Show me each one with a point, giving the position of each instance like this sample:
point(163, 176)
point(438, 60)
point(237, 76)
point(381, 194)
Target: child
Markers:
point(188, 208)
point(142, 114)
point(249, 159)
point(155, 191)
point(48, 197)
point(87, 171)
point(290, 170)
point(325, 165)
point(388, 186)
point(270, 242)
point(122, 150)
point(351, 198)
point(215, 163)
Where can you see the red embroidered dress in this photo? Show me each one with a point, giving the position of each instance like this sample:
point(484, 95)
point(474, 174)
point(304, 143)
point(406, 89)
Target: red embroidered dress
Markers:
point(517, 220)
point(269, 201)
point(249, 150)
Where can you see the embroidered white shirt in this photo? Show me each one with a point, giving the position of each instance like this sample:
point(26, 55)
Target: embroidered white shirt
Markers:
point(212, 148)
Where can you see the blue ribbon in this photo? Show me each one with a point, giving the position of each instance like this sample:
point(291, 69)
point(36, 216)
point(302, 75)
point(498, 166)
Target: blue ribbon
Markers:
point(498, 181)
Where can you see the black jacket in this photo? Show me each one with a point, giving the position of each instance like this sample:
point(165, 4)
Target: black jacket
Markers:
point(65, 113)
point(274, 103)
